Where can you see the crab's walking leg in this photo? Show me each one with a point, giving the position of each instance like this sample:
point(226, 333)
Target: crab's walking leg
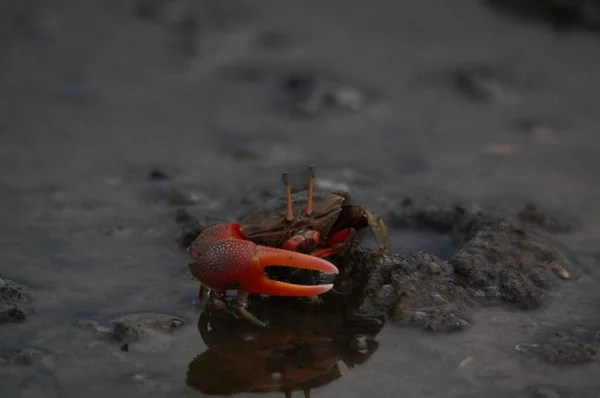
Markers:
point(337, 243)
point(216, 299)
point(241, 305)
point(203, 293)
point(289, 214)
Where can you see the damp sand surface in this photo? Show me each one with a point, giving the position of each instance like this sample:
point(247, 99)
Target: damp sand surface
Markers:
point(448, 100)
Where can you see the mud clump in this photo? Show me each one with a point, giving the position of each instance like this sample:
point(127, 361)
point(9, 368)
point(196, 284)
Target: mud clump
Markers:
point(309, 95)
point(189, 228)
point(26, 356)
point(133, 328)
point(533, 215)
point(427, 213)
point(157, 175)
point(487, 83)
point(566, 352)
point(559, 14)
point(417, 289)
point(187, 24)
point(562, 348)
point(13, 304)
point(497, 260)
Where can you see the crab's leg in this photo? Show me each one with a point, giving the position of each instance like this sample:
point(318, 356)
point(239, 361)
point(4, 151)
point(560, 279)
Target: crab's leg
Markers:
point(203, 293)
point(309, 197)
point(337, 243)
point(240, 264)
point(241, 305)
point(289, 214)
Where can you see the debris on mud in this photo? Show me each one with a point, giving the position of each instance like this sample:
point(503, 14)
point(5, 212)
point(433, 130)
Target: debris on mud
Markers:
point(310, 96)
point(13, 304)
point(485, 83)
point(189, 23)
point(533, 215)
point(26, 356)
point(177, 197)
point(561, 348)
point(545, 393)
point(157, 175)
point(299, 352)
point(559, 14)
point(132, 328)
point(541, 130)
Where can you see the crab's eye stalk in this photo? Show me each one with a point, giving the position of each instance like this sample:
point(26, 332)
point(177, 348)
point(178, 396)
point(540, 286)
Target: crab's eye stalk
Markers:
point(289, 214)
point(309, 197)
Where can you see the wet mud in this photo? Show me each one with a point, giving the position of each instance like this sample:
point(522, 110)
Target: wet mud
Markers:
point(132, 126)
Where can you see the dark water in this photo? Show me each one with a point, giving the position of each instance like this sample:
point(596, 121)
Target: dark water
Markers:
point(93, 97)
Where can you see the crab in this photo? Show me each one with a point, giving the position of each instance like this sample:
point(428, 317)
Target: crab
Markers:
point(280, 232)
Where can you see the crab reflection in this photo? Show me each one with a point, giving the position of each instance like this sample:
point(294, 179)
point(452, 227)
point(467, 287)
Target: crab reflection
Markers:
point(299, 352)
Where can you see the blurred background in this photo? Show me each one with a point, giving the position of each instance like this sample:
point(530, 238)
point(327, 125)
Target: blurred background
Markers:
point(107, 105)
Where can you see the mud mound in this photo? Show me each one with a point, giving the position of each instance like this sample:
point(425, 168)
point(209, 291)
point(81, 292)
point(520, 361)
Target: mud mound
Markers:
point(500, 260)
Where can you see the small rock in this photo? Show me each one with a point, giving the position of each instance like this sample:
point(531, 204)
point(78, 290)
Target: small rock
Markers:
point(483, 83)
point(157, 175)
point(544, 393)
point(310, 96)
point(13, 304)
point(344, 98)
point(176, 197)
point(301, 87)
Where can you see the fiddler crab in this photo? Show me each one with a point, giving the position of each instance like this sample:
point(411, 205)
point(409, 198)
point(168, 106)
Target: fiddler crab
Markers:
point(298, 230)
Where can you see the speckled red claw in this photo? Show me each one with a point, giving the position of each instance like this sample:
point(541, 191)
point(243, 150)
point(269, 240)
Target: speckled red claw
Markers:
point(240, 264)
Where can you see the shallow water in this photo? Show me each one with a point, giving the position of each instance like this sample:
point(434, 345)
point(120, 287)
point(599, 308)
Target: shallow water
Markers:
point(93, 98)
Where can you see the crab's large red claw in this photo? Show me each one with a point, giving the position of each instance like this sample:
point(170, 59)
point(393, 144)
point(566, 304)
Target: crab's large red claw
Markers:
point(211, 235)
point(240, 264)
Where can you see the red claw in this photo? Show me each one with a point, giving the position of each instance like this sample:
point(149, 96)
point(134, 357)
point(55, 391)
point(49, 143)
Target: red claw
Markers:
point(213, 234)
point(224, 259)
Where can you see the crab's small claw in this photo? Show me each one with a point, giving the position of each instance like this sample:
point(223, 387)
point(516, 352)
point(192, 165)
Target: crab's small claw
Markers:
point(240, 264)
point(380, 230)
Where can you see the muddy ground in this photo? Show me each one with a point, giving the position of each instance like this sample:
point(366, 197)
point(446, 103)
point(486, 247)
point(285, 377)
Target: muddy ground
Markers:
point(470, 127)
